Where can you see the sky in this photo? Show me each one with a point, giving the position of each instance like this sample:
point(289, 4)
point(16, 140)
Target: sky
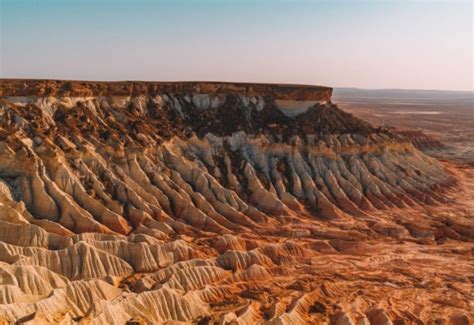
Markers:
point(371, 44)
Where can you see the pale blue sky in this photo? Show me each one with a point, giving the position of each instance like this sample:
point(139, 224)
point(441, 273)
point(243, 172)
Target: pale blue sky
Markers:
point(371, 44)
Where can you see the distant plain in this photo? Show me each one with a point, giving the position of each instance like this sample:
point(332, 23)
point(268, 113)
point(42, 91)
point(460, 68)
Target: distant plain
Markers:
point(446, 115)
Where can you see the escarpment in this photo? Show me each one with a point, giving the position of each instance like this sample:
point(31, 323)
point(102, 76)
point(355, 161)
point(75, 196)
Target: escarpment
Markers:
point(166, 199)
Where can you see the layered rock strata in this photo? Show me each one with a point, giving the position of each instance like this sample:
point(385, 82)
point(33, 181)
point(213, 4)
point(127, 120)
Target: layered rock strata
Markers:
point(218, 202)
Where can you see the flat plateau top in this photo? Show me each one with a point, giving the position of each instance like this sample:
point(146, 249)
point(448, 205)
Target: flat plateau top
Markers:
point(43, 87)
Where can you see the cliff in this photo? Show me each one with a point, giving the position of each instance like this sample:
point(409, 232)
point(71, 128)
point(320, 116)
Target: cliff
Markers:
point(180, 109)
point(61, 88)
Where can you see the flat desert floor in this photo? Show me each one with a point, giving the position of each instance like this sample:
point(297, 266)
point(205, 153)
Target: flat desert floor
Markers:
point(446, 116)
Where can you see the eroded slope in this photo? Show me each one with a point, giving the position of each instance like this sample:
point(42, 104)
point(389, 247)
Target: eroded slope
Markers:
point(222, 202)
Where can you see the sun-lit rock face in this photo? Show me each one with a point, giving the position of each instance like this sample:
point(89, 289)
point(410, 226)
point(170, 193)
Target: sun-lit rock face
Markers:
point(203, 202)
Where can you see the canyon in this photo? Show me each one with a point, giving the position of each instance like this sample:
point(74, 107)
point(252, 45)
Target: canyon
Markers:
point(224, 203)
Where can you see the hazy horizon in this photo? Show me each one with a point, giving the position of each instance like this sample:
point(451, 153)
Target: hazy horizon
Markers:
point(218, 81)
point(412, 45)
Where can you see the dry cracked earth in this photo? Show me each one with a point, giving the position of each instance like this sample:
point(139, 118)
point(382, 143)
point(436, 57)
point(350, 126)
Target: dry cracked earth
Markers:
point(223, 203)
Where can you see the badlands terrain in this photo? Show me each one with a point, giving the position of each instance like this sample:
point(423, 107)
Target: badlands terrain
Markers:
point(226, 203)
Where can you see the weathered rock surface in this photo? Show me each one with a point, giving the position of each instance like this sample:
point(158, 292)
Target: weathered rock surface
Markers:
point(218, 202)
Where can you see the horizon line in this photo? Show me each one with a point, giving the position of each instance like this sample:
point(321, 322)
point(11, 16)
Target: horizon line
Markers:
point(244, 82)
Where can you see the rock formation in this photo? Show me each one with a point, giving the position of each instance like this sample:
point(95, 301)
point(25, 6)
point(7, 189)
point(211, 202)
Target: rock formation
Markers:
point(221, 203)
